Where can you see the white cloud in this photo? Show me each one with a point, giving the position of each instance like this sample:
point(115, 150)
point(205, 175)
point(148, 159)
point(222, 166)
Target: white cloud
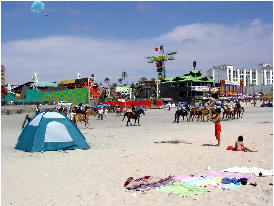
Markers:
point(59, 58)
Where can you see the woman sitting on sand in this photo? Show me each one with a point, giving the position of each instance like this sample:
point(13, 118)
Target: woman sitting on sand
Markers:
point(239, 145)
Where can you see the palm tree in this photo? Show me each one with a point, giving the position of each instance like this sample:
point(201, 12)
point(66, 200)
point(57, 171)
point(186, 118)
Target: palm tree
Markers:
point(107, 80)
point(142, 80)
point(124, 75)
point(120, 80)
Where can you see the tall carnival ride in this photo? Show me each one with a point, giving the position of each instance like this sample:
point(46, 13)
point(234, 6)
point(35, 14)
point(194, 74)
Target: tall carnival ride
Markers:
point(160, 60)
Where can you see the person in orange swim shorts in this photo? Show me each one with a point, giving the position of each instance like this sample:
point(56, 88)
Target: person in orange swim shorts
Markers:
point(217, 120)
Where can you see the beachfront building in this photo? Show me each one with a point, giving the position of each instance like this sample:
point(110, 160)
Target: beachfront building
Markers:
point(124, 91)
point(232, 80)
point(150, 89)
point(83, 83)
point(187, 87)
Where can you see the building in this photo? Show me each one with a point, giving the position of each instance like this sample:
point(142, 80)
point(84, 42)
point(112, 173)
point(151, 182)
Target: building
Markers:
point(233, 75)
point(83, 83)
point(187, 87)
point(232, 80)
point(124, 91)
point(150, 89)
point(267, 74)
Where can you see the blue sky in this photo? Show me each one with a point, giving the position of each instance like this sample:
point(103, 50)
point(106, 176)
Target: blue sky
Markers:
point(107, 38)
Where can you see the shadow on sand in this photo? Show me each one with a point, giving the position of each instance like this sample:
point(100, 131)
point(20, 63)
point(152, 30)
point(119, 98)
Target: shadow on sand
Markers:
point(209, 145)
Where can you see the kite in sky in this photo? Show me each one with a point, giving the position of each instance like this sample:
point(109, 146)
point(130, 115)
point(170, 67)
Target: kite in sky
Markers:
point(37, 7)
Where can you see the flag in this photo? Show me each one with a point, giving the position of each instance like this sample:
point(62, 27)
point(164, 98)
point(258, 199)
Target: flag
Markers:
point(161, 47)
point(156, 49)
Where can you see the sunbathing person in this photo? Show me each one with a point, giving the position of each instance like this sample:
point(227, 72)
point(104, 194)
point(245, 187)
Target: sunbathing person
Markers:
point(239, 145)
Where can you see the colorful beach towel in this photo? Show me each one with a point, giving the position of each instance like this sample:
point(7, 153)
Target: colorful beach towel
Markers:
point(202, 181)
point(253, 170)
point(210, 182)
point(147, 182)
point(183, 190)
point(226, 175)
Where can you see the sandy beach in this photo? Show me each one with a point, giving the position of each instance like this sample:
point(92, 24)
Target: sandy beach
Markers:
point(96, 176)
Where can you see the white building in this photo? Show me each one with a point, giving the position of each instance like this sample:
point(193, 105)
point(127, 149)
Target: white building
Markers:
point(232, 75)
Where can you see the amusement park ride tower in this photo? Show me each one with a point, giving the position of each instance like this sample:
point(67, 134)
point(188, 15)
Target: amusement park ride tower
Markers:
point(160, 61)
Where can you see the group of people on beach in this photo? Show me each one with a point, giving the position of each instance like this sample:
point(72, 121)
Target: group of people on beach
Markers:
point(239, 146)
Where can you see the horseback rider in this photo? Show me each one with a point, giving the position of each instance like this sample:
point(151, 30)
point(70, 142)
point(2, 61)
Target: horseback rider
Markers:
point(73, 112)
point(229, 106)
point(238, 105)
point(81, 110)
point(197, 105)
point(187, 107)
point(222, 104)
point(206, 106)
point(182, 106)
point(133, 109)
point(37, 109)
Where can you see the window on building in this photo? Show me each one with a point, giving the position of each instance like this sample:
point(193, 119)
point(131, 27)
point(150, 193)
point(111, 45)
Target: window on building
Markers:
point(229, 75)
point(247, 81)
point(234, 74)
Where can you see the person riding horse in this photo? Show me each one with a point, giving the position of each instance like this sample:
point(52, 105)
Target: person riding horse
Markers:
point(238, 105)
point(37, 109)
point(133, 109)
point(81, 110)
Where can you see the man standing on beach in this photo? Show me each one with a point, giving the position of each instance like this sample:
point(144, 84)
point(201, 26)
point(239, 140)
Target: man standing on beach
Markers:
point(37, 109)
point(217, 120)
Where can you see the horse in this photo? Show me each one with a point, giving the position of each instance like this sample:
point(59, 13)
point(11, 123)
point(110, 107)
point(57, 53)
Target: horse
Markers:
point(195, 112)
point(132, 115)
point(239, 112)
point(212, 111)
point(80, 117)
point(230, 113)
point(182, 113)
point(204, 112)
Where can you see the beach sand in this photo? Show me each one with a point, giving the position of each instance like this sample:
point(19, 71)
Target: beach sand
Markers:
point(97, 176)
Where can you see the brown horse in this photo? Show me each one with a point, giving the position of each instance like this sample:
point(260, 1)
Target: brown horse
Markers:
point(80, 117)
point(230, 114)
point(194, 112)
point(204, 112)
point(212, 111)
point(131, 115)
point(239, 112)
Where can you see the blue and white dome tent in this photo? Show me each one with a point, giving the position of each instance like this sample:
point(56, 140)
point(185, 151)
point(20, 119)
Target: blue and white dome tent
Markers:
point(50, 131)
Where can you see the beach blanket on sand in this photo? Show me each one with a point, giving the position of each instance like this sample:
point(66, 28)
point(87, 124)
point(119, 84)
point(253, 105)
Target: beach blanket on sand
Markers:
point(208, 182)
point(147, 182)
point(201, 181)
point(253, 170)
point(226, 175)
point(183, 190)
